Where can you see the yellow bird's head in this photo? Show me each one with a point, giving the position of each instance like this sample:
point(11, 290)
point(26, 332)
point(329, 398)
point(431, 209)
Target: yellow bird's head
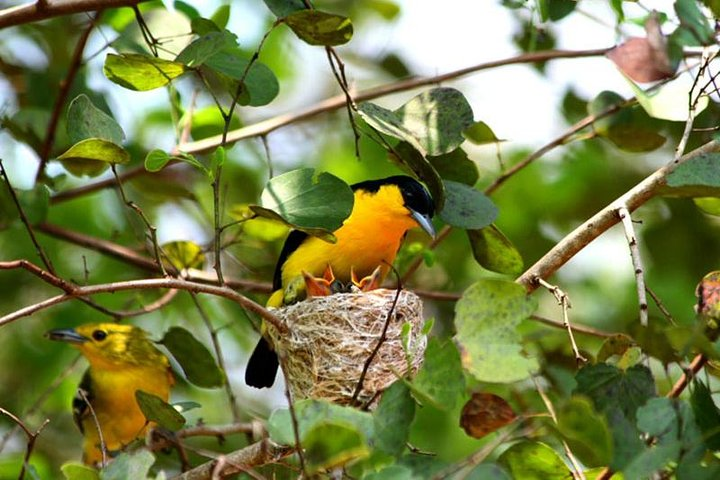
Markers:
point(112, 345)
point(415, 203)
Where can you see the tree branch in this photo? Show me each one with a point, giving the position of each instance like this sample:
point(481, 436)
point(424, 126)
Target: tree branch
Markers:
point(35, 11)
point(63, 91)
point(144, 284)
point(265, 127)
point(131, 257)
point(579, 238)
point(259, 453)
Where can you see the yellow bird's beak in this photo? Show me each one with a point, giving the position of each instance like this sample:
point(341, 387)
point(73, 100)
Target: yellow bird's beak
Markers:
point(424, 222)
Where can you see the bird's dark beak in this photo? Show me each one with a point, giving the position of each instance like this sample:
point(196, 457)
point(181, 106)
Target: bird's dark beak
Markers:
point(424, 222)
point(68, 335)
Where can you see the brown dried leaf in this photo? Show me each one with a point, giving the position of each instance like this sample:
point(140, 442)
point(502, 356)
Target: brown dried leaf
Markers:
point(484, 413)
point(643, 59)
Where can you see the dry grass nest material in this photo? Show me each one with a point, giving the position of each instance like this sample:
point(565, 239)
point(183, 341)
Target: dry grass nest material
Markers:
point(330, 338)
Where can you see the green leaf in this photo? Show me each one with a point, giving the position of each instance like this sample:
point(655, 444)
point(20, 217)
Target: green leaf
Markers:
point(480, 133)
point(156, 160)
point(388, 122)
point(202, 26)
point(78, 471)
point(709, 205)
point(455, 166)
point(670, 100)
point(693, 20)
point(392, 419)
point(465, 207)
point(157, 410)
point(185, 406)
point(221, 16)
point(494, 251)
point(618, 394)
point(205, 47)
point(141, 72)
point(316, 204)
point(534, 461)
point(585, 431)
point(135, 465)
point(320, 28)
point(184, 254)
point(610, 387)
point(488, 471)
point(393, 472)
point(699, 174)
point(312, 412)
point(414, 160)
point(706, 413)
point(35, 203)
point(331, 444)
point(85, 120)
point(440, 381)
point(676, 437)
point(653, 340)
point(92, 156)
point(555, 9)
point(687, 340)
point(194, 358)
point(283, 8)
point(630, 128)
point(260, 83)
point(486, 318)
point(437, 118)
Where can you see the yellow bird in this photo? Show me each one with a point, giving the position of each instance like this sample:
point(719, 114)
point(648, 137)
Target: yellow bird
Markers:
point(383, 211)
point(122, 360)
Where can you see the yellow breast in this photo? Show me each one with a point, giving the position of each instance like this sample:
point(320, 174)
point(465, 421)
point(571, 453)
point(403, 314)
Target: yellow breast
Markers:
point(369, 237)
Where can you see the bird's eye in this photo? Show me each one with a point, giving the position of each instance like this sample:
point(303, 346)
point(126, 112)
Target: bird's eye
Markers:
point(99, 335)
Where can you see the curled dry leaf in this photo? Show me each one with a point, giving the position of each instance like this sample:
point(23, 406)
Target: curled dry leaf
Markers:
point(641, 60)
point(484, 413)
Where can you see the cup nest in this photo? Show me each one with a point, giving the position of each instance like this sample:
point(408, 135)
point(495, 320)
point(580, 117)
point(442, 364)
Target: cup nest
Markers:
point(329, 340)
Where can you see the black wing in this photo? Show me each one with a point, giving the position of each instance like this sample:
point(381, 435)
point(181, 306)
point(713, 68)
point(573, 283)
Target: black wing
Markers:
point(293, 241)
point(80, 406)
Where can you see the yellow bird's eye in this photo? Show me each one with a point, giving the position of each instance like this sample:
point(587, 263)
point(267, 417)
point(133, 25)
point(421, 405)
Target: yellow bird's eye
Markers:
point(99, 335)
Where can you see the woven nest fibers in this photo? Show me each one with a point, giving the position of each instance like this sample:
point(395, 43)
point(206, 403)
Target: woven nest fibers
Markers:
point(329, 340)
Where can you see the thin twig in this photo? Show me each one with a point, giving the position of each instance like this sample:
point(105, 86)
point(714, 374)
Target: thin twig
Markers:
point(63, 91)
point(660, 305)
point(151, 228)
point(41, 399)
point(103, 446)
point(477, 457)
point(627, 223)
point(232, 400)
point(296, 429)
point(131, 257)
point(38, 249)
point(144, 284)
point(575, 327)
point(259, 453)
point(564, 302)
point(31, 437)
point(265, 127)
point(36, 11)
point(695, 366)
point(383, 336)
point(577, 469)
point(576, 240)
